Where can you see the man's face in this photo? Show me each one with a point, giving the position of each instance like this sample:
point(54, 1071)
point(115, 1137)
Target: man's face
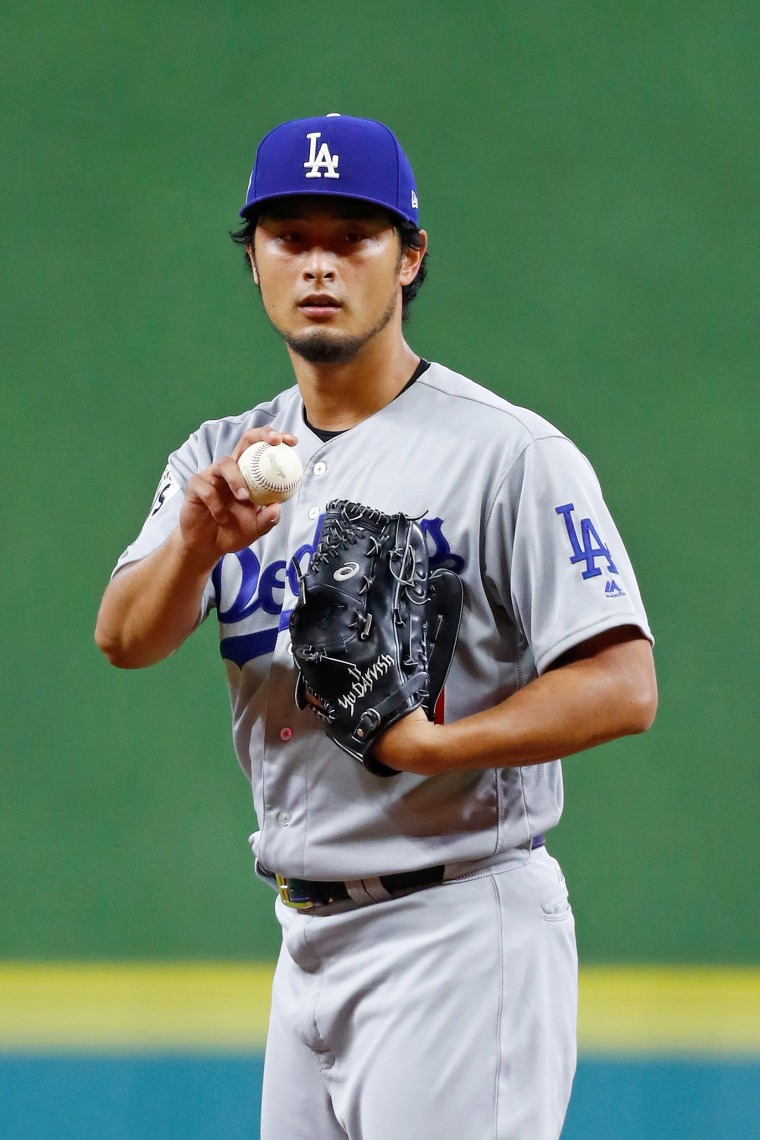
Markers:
point(330, 272)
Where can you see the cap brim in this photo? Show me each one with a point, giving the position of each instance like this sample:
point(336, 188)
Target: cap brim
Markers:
point(256, 207)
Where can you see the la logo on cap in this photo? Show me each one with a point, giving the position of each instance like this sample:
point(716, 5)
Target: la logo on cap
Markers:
point(321, 160)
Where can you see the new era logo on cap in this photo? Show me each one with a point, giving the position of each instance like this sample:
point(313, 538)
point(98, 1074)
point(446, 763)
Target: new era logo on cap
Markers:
point(334, 154)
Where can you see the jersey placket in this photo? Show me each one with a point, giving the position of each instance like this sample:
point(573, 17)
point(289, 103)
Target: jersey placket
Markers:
point(285, 768)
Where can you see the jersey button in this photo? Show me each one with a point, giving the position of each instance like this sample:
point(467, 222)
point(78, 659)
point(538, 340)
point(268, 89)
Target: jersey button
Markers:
point(286, 733)
point(320, 468)
point(284, 818)
point(313, 512)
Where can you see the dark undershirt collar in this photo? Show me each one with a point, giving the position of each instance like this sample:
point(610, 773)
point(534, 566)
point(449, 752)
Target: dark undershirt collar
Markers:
point(328, 435)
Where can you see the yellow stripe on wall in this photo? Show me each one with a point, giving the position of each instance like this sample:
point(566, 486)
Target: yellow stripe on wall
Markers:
point(669, 1010)
point(223, 1007)
point(134, 1007)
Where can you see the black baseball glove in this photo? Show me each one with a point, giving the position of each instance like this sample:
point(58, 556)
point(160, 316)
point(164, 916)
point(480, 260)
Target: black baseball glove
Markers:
point(373, 633)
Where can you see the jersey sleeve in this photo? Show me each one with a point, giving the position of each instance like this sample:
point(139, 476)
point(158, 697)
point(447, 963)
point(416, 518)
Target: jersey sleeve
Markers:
point(163, 515)
point(555, 555)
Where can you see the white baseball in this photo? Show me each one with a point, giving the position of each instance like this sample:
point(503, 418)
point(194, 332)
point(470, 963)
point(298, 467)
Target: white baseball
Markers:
point(273, 473)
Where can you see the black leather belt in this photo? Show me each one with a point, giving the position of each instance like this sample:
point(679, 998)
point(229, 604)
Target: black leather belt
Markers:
point(304, 894)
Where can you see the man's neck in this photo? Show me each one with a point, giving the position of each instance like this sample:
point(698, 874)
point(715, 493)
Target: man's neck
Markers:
point(339, 396)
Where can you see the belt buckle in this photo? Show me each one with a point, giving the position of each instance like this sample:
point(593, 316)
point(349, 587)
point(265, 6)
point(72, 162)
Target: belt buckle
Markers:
point(283, 890)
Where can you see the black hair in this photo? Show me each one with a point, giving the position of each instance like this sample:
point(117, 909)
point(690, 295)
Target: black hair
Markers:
point(409, 237)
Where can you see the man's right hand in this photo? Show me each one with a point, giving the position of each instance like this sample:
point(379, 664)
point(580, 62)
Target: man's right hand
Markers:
point(151, 606)
point(218, 516)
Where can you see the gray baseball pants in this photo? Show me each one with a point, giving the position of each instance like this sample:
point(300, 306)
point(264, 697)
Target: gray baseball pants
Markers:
point(448, 1014)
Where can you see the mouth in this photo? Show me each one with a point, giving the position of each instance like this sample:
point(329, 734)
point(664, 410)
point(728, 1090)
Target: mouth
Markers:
point(319, 306)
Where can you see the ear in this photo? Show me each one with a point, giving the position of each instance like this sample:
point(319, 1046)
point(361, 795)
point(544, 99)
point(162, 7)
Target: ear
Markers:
point(411, 259)
point(252, 259)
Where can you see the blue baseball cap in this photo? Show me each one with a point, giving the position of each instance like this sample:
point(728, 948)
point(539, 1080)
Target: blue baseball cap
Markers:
point(333, 154)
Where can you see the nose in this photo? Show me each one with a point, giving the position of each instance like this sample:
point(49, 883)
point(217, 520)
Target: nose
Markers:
point(319, 264)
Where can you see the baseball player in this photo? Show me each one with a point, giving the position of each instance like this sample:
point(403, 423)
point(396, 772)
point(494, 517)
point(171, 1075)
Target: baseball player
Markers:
point(426, 986)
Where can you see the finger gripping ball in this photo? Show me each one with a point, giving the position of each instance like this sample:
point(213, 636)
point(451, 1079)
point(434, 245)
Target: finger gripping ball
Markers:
point(272, 473)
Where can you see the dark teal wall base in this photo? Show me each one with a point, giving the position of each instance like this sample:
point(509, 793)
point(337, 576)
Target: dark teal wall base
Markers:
point(664, 1100)
point(218, 1098)
point(130, 1098)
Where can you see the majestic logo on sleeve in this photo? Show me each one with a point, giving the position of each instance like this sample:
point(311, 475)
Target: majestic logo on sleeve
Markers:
point(613, 590)
point(587, 546)
point(259, 597)
point(321, 160)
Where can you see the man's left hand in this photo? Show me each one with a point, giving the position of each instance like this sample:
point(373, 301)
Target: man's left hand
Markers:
point(410, 745)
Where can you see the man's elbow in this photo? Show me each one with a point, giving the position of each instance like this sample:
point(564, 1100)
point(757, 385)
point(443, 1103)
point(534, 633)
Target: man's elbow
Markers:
point(642, 705)
point(113, 648)
point(128, 644)
point(112, 637)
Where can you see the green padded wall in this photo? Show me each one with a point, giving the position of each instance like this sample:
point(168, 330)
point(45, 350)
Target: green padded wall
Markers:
point(589, 180)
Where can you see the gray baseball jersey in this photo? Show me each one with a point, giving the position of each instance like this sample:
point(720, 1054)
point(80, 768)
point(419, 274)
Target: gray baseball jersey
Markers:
point(507, 502)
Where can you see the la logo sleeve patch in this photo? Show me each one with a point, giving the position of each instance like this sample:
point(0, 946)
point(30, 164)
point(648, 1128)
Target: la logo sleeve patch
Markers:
point(587, 547)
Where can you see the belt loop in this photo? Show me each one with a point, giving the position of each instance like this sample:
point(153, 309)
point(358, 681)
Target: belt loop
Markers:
point(367, 890)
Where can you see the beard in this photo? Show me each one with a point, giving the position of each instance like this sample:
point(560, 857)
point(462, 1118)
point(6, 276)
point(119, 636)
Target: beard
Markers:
point(328, 346)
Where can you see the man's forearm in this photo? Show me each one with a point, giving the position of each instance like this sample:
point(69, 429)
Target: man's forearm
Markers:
point(608, 693)
point(579, 706)
point(151, 607)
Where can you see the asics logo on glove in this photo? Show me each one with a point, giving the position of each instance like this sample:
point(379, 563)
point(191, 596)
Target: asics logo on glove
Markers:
point(343, 573)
